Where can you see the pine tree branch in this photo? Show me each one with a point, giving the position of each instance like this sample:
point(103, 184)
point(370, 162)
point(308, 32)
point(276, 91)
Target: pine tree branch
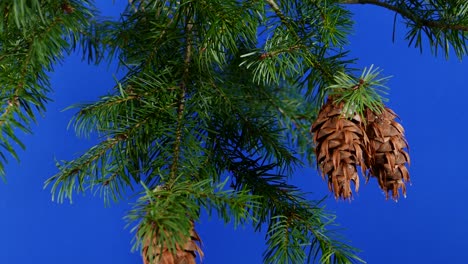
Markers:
point(182, 95)
point(410, 15)
point(277, 10)
point(13, 103)
point(77, 170)
point(16, 101)
point(315, 63)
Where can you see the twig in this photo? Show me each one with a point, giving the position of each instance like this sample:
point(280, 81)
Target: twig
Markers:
point(409, 15)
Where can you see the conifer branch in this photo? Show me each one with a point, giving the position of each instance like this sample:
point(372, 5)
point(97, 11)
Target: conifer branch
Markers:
point(80, 168)
point(16, 102)
point(404, 12)
point(182, 95)
point(13, 103)
point(277, 10)
point(186, 60)
point(315, 63)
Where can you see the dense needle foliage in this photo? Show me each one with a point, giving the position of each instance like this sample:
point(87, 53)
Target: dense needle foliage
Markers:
point(214, 111)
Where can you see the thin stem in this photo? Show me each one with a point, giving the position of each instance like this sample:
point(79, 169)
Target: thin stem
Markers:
point(409, 15)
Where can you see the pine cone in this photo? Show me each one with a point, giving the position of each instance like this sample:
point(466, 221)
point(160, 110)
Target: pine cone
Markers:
point(387, 156)
point(340, 146)
point(183, 255)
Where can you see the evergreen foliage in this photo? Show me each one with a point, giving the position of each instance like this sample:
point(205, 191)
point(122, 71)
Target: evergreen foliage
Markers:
point(214, 111)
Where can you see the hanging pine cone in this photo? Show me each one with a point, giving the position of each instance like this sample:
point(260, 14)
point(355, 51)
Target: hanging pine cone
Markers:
point(387, 157)
point(183, 255)
point(339, 148)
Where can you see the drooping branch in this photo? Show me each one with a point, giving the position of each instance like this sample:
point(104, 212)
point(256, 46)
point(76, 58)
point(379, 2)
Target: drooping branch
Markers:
point(410, 15)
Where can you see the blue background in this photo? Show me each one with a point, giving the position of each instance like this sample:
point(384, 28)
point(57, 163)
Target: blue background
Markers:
point(429, 226)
